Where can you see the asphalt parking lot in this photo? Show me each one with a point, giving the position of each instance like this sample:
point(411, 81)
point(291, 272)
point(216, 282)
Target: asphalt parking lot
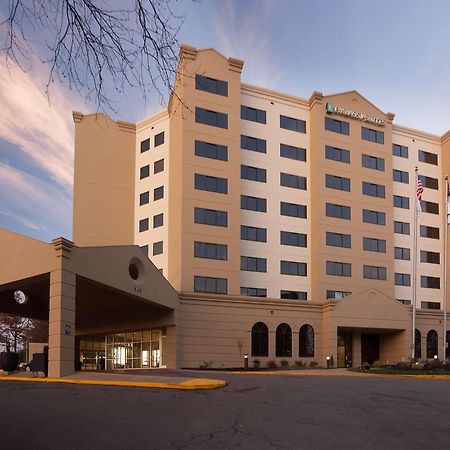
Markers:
point(251, 412)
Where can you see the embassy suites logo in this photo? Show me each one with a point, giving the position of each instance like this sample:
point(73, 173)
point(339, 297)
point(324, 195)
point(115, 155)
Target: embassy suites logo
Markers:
point(333, 109)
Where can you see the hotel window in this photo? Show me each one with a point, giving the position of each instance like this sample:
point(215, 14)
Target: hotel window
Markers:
point(158, 193)
point(338, 211)
point(213, 118)
point(291, 152)
point(338, 295)
point(158, 220)
point(427, 157)
point(428, 182)
point(212, 151)
point(253, 234)
point(339, 183)
point(210, 251)
point(293, 295)
point(404, 302)
point(372, 162)
point(372, 189)
point(253, 292)
point(375, 217)
point(145, 145)
point(159, 139)
point(338, 240)
point(252, 264)
point(158, 166)
point(143, 225)
point(430, 282)
point(429, 232)
point(211, 184)
point(157, 248)
point(211, 285)
point(339, 269)
point(402, 279)
point(292, 181)
point(144, 248)
point(293, 239)
point(211, 85)
point(144, 198)
point(337, 154)
point(293, 210)
point(289, 123)
point(253, 114)
point(253, 144)
point(260, 338)
point(374, 272)
point(430, 305)
point(293, 268)
point(374, 245)
point(430, 257)
point(306, 341)
point(144, 172)
point(372, 135)
point(400, 176)
point(401, 227)
point(402, 253)
point(253, 174)
point(211, 217)
point(253, 203)
point(337, 126)
point(401, 202)
point(400, 150)
point(429, 207)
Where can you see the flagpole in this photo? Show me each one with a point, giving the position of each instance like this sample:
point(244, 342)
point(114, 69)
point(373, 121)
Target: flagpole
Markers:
point(446, 223)
point(414, 296)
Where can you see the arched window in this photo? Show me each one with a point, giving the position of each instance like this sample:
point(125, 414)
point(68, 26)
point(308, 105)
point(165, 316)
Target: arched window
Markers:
point(417, 344)
point(283, 340)
point(447, 347)
point(260, 339)
point(306, 341)
point(432, 344)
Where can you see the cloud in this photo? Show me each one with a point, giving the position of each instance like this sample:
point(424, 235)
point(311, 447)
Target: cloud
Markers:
point(246, 34)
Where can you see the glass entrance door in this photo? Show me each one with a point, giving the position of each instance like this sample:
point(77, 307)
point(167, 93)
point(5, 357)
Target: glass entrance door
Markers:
point(344, 349)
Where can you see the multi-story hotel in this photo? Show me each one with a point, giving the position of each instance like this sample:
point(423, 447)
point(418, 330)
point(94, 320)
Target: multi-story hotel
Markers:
point(287, 225)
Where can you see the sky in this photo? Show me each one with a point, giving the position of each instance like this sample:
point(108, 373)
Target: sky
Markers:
point(395, 53)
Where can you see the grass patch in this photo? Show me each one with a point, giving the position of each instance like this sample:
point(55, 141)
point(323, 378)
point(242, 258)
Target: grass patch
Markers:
point(389, 371)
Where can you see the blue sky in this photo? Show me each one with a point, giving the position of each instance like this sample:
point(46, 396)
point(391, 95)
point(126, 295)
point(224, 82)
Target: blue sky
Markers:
point(395, 53)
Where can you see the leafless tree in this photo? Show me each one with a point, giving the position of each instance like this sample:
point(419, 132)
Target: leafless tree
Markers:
point(14, 331)
point(97, 47)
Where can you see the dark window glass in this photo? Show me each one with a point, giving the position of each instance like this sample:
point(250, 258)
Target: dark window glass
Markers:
point(293, 268)
point(339, 269)
point(374, 245)
point(253, 203)
point(293, 210)
point(374, 272)
point(306, 341)
point(430, 305)
point(253, 144)
point(211, 217)
point(157, 248)
point(252, 264)
point(375, 217)
point(289, 123)
point(159, 139)
point(213, 118)
point(253, 234)
point(402, 279)
point(338, 240)
point(372, 189)
point(143, 225)
point(338, 295)
point(210, 251)
point(144, 248)
point(430, 257)
point(291, 152)
point(283, 341)
point(253, 114)
point(158, 220)
point(432, 342)
point(145, 145)
point(211, 85)
point(417, 344)
point(401, 202)
point(158, 166)
point(400, 175)
point(427, 157)
point(144, 172)
point(294, 295)
point(213, 151)
point(253, 174)
point(158, 193)
point(403, 301)
point(211, 184)
point(293, 239)
point(260, 339)
point(292, 181)
point(372, 135)
point(339, 183)
point(253, 292)
point(428, 182)
point(430, 282)
point(401, 227)
point(337, 154)
point(144, 198)
point(337, 126)
point(209, 284)
point(402, 253)
point(429, 232)
point(400, 150)
point(372, 162)
point(338, 211)
point(429, 207)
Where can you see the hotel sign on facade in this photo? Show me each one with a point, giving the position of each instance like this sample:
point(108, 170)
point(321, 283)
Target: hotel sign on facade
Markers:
point(333, 109)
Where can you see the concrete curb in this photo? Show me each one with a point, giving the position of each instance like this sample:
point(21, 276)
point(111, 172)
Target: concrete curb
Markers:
point(350, 375)
point(188, 385)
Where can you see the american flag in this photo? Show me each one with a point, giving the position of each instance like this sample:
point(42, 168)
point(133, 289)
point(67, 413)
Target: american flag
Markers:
point(419, 190)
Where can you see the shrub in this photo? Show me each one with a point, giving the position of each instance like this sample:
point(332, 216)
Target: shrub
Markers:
point(284, 363)
point(403, 365)
point(313, 364)
point(365, 366)
point(271, 364)
point(377, 364)
point(256, 363)
point(300, 364)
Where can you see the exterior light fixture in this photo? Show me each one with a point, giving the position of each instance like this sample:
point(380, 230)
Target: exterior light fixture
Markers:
point(20, 297)
point(246, 362)
point(435, 356)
